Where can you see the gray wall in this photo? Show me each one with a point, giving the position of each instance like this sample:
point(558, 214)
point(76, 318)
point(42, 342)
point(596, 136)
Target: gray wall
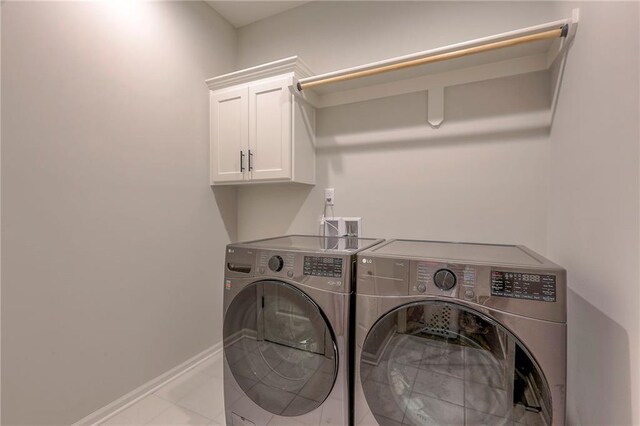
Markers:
point(112, 239)
point(594, 216)
point(385, 162)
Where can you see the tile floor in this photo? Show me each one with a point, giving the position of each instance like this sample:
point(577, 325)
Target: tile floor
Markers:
point(195, 398)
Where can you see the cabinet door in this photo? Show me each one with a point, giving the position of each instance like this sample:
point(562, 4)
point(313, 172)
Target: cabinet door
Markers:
point(270, 129)
point(229, 135)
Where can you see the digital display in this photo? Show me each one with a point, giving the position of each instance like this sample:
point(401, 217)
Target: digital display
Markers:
point(517, 285)
point(321, 266)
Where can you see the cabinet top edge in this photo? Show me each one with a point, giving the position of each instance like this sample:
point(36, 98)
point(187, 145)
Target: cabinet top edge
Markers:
point(283, 66)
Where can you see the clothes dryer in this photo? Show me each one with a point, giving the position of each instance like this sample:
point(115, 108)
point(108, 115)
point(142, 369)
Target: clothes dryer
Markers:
point(459, 334)
point(287, 320)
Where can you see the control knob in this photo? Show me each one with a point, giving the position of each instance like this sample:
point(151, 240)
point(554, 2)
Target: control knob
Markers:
point(444, 279)
point(276, 263)
point(422, 288)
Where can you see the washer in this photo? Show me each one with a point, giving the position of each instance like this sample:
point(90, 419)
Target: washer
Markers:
point(459, 334)
point(287, 319)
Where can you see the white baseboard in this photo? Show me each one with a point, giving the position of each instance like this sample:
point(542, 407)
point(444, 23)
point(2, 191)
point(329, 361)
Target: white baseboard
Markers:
point(148, 388)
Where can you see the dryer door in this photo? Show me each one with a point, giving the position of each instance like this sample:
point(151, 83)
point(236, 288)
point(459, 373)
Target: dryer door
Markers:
point(280, 348)
point(440, 363)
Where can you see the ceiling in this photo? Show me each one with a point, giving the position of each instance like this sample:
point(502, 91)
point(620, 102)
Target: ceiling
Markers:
point(240, 12)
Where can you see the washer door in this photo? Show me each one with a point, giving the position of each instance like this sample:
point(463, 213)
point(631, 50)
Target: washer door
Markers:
point(280, 348)
point(439, 363)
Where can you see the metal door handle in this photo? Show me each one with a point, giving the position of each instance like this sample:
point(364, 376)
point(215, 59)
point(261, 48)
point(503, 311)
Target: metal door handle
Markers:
point(250, 156)
point(241, 161)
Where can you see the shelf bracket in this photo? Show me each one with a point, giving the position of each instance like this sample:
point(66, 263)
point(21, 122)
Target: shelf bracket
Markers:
point(435, 106)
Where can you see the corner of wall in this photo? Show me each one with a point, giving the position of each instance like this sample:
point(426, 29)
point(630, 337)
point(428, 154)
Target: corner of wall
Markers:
point(1, 4)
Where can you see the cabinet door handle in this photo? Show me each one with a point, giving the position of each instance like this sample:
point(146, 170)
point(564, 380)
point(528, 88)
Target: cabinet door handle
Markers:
point(250, 157)
point(241, 161)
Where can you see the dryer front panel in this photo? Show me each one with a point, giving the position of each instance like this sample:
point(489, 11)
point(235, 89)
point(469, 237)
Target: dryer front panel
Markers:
point(280, 348)
point(434, 362)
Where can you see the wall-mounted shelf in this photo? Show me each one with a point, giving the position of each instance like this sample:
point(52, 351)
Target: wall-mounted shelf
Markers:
point(511, 53)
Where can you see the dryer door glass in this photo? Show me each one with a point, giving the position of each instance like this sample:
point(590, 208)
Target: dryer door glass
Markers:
point(437, 363)
point(280, 348)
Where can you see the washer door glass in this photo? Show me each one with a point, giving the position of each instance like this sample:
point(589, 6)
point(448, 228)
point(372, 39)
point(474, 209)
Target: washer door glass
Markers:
point(280, 348)
point(439, 363)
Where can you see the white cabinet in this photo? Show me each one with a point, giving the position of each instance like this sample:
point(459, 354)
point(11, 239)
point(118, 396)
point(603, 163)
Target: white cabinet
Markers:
point(229, 136)
point(259, 131)
point(270, 133)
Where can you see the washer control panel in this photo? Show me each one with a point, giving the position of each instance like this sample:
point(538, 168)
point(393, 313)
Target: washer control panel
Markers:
point(275, 262)
point(508, 289)
point(323, 266)
point(520, 285)
point(536, 289)
point(436, 278)
point(328, 272)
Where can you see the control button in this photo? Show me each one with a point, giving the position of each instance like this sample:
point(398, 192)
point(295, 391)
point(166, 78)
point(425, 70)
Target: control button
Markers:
point(422, 288)
point(261, 270)
point(290, 274)
point(276, 263)
point(469, 294)
point(444, 279)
